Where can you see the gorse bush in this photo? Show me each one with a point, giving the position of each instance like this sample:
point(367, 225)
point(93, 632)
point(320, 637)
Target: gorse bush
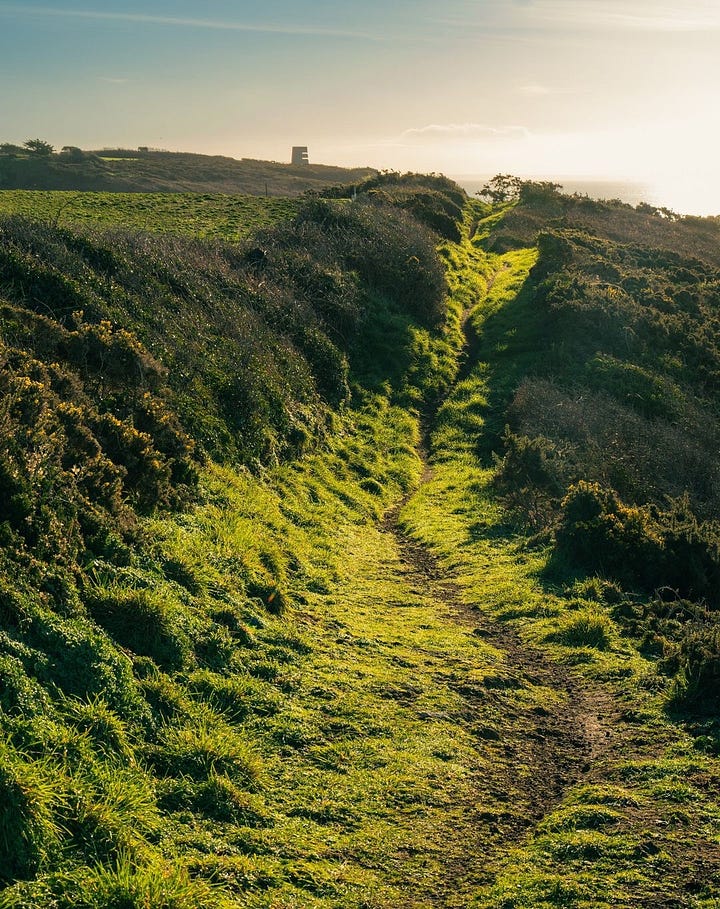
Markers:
point(603, 535)
point(613, 439)
point(625, 393)
point(388, 250)
point(235, 354)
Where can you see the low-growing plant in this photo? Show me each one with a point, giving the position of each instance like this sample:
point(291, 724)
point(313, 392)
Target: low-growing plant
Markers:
point(145, 621)
point(585, 628)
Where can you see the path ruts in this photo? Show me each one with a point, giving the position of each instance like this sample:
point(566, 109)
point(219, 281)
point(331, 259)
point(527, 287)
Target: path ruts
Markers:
point(535, 754)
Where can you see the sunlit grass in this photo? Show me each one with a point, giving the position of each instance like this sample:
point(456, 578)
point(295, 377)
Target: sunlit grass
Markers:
point(203, 215)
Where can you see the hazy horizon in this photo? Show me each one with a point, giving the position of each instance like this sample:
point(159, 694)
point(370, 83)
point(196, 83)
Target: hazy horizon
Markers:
point(622, 91)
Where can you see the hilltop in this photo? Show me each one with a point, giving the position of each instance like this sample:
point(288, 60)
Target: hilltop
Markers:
point(122, 170)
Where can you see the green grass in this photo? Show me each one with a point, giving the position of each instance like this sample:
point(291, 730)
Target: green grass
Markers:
point(322, 757)
point(306, 715)
point(208, 216)
point(636, 827)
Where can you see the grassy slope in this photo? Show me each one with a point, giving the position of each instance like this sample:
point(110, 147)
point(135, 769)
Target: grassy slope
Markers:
point(308, 759)
point(170, 172)
point(367, 748)
point(640, 825)
point(203, 215)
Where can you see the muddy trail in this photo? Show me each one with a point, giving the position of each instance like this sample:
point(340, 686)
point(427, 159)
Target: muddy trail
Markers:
point(535, 753)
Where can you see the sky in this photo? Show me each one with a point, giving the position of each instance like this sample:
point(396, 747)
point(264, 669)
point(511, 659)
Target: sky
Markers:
point(615, 89)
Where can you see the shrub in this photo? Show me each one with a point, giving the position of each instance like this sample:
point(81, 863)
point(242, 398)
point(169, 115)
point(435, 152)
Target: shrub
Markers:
point(527, 476)
point(646, 547)
point(389, 250)
point(600, 533)
point(697, 686)
point(691, 552)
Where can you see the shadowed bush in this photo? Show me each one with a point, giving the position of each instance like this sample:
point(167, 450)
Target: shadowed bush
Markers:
point(640, 546)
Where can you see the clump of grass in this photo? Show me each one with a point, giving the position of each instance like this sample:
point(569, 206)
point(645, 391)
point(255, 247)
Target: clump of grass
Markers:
point(236, 697)
point(167, 699)
point(585, 628)
point(29, 833)
point(148, 622)
point(112, 812)
point(237, 873)
point(217, 798)
point(122, 885)
point(206, 747)
point(103, 727)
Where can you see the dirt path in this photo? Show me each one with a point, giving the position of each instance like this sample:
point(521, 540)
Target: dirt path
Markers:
point(538, 752)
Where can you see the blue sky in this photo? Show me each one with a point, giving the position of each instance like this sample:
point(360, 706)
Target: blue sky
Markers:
point(543, 87)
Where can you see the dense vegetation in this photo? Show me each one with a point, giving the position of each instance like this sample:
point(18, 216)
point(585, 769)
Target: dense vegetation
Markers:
point(135, 650)
point(614, 427)
point(148, 171)
point(244, 662)
point(433, 200)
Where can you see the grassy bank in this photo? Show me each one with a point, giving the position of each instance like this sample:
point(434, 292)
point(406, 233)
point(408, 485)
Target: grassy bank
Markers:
point(230, 707)
point(639, 822)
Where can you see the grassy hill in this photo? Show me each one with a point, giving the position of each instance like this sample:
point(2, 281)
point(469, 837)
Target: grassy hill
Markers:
point(211, 216)
point(367, 562)
point(158, 171)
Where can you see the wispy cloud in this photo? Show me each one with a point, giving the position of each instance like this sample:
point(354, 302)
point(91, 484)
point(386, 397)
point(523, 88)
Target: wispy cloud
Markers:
point(535, 90)
point(642, 15)
point(528, 16)
point(460, 132)
point(538, 90)
point(113, 81)
point(187, 22)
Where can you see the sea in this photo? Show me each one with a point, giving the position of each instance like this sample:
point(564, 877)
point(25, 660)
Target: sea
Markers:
point(685, 195)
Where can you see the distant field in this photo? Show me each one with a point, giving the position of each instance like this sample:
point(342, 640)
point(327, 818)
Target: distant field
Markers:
point(206, 215)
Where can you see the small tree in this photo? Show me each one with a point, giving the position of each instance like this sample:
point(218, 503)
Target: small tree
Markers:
point(502, 188)
point(39, 147)
point(73, 153)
